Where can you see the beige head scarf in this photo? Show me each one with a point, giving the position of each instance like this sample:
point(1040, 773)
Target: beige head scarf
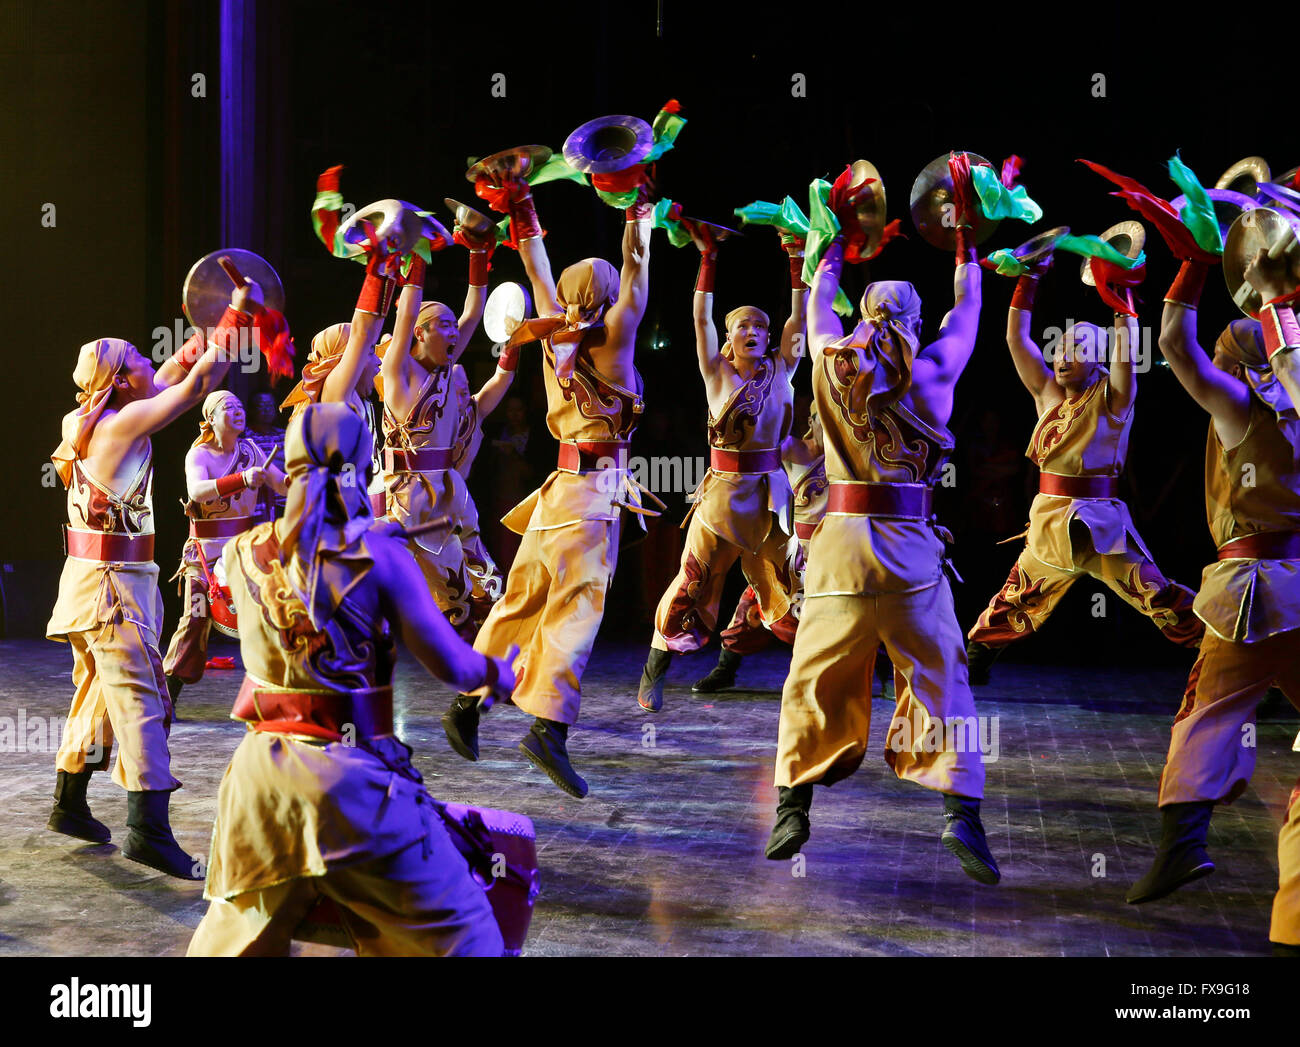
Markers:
point(1091, 343)
point(97, 365)
point(326, 349)
point(884, 344)
point(585, 291)
point(735, 315)
point(1243, 341)
point(210, 408)
point(327, 513)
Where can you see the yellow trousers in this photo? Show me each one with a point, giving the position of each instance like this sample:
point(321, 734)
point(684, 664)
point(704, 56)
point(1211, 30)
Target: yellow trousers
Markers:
point(412, 903)
point(552, 608)
point(826, 703)
point(1286, 903)
point(121, 695)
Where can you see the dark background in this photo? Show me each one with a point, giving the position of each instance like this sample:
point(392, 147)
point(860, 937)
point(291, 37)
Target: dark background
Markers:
point(99, 118)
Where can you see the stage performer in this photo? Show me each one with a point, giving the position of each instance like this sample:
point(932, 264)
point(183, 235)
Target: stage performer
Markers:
point(876, 566)
point(320, 798)
point(1077, 523)
point(224, 471)
point(430, 421)
point(109, 608)
point(1250, 596)
point(555, 593)
point(743, 508)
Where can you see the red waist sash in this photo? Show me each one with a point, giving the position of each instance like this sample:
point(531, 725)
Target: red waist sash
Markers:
point(423, 460)
point(1268, 545)
point(880, 499)
point(804, 531)
point(357, 714)
point(764, 460)
point(586, 456)
point(109, 548)
point(226, 527)
point(1078, 486)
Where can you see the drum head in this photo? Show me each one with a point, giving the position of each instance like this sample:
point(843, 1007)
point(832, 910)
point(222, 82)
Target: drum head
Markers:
point(224, 619)
point(507, 307)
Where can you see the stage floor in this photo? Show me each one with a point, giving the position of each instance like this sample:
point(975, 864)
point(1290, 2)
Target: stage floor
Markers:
point(664, 857)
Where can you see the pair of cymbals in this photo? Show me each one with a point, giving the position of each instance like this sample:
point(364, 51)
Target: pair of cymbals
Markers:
point(932, 205)
point(1128, 238)
point(1259, 229)
point(398, 225)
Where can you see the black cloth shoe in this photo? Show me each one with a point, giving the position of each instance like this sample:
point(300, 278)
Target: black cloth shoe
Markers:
point(722, 676)
point(460, 723)
point(885, 674)
point(174, 688)
point(980, 658)
point(650, 695)
point(964, 837)
point(1282, 949)
point(71, 815)
point(1181, 856)
point(544, 746)
point(150, 841)
point(792, 828)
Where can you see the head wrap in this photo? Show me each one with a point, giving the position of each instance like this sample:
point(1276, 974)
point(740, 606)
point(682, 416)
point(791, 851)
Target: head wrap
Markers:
point(327, 513)
point(210, 407)
point(734, 316)
point(97, 365)
point(428, 311)
point(884, 344)
point(1096, 340)
point(326, 349)
point(1243, 341)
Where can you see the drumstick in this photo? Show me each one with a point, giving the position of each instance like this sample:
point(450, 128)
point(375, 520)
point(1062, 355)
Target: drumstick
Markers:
point(236, 277)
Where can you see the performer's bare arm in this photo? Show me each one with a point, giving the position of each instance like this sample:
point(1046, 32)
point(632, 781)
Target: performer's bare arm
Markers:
point(824, 325)
point(537, 264)
point(398, 369)
point(341, 382)
point(1123, 370)
point(475, 300)
point(794, 336)
point(625, 314)
point(1274, 277)
point(492, 392)
point(405, 601)
point(1027, 355)
point(1226, 397)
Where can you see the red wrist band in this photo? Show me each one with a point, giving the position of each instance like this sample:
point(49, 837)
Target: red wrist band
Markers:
point(188, 354)
point(1281, 329)
point(708, 267)
point(965, 245)
point(1188, 284)
point(1026, 289)
point(415, 274)
point(478, 268)
point(639, 211)
point(524, 223)
point(796, 273)
point(232, 484)
point(509, 359)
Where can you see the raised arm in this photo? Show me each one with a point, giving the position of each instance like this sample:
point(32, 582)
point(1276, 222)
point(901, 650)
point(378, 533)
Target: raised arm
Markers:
point(1224, 396)
point(475, 298)
point(624, 316)
point(1123, 369)
point(367, 320)
point(706, 331)
point(824, 325)
point(397, 357)
point(1274, 278)
point(492, 392)
point(950, 352)
point(526, 232)
point(1026, 354)
point(794, 336)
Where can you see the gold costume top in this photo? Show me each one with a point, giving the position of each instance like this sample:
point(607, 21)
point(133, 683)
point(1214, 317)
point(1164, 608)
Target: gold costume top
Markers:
point(93, 592)
point(586, 407)
point(243, 504)
point(1252, 488)
point(442, 417)
point(858, 555)
point(301, 806)
point(756, 417)
point(809, 486)
point(1080, 436)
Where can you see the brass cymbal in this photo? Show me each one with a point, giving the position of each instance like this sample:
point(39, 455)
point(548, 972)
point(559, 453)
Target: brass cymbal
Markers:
point(1128, 238)
point(475, 223)
point(206, 291)
point(869, 205)
point(509, 165)
point(1260, 228)
point(1245, 175)
point(930, 200)
point(1040, 246)
point(1228, 203)
point(398, 225)
point(609, 143)
point(720, 232)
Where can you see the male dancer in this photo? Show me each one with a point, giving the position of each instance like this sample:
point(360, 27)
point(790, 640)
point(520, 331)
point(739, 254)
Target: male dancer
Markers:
point(109, 608)
point(804, 462)
point(429, 421)
point(1249, 595)
point(875, 563)
point(555, 594)
point(320, 798)
point(1077, 523)
point(743, 506)
point(223, 474)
